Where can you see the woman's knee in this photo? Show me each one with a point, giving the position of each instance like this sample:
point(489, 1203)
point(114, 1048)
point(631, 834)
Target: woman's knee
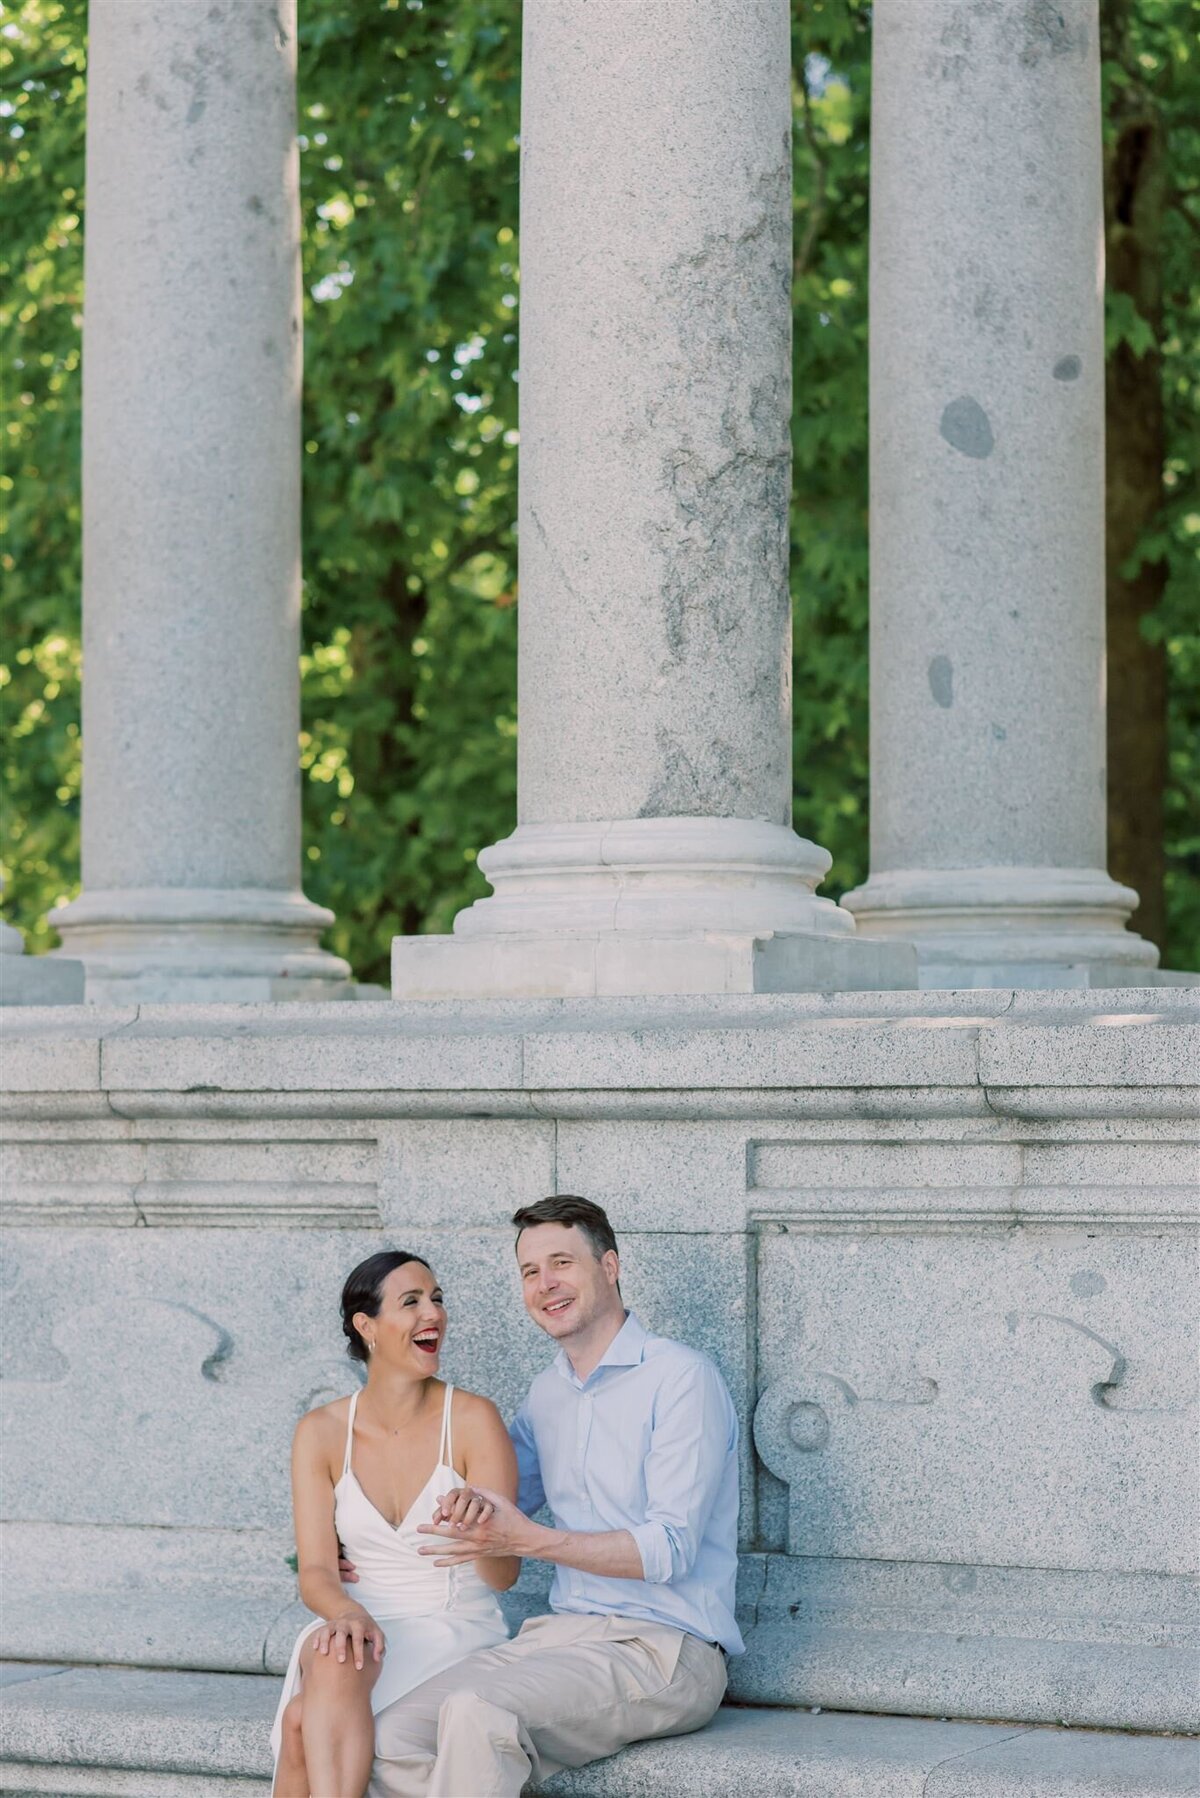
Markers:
point(325, 1673)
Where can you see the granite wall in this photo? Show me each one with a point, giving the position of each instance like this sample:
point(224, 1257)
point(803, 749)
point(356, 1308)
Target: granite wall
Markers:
point(940, 1245)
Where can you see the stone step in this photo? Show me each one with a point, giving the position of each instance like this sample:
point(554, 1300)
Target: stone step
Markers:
point(111, 1732)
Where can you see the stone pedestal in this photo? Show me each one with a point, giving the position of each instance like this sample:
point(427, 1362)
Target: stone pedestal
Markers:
point(191, 488)
point(987, 500)
point(654, 849)
point(35, 979)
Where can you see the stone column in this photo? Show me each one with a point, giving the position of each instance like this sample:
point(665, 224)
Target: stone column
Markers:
point(987, 499)
point(191, 492)
point(654, 849)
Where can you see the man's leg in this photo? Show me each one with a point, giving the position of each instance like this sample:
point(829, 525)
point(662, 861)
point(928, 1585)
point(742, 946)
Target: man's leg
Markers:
point(566, 1691)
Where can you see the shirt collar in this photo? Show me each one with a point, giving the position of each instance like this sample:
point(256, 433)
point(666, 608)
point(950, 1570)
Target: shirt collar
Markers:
point(627, 1349)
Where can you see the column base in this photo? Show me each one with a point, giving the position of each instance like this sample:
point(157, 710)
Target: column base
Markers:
point(654, 877)
point(178, 946)
point(630, 906)
point(1018, 927)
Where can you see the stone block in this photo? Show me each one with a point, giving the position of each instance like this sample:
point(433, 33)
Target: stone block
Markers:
point(27, 1780)
point(683, 1175)
point(1117, 1047)
point(57, 1050)
point(154, 1596)
point(331, 1048)
point(989, 968)
point(885, 1166)
point(463, 1171)
point(227, 1176)
point(1015, 1401)
point(15, 1673)
point(40, 980)
point(1050, 1646)
point(215, 1723)
point(1082, 1765)
point(1134, 997)
point(621, 962)
point(761, 1050)
point(155, 1375)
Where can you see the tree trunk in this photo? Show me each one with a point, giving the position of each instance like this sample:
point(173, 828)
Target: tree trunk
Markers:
point(1134, 203)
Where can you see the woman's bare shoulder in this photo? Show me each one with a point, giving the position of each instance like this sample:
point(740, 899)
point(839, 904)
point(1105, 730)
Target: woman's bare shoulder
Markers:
point(475, 1411)
point(323, 1423)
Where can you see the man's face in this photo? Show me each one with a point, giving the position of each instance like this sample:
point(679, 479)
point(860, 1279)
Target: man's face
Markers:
point(566, 1288)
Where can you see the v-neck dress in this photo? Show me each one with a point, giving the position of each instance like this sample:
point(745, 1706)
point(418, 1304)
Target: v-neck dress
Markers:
point(430, 1616)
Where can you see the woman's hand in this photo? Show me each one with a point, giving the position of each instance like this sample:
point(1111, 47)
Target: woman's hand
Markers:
point(462, 1508)
point(496, 1529)
point(353, 1630)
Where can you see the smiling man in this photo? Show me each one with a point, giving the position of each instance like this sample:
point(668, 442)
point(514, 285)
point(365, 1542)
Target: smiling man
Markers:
point(631, 1439)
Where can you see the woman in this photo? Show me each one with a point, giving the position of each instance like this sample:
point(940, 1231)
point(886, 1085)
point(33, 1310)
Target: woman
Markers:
point(366, 1471)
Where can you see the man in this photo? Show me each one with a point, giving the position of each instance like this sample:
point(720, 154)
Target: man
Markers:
point(632, 1441)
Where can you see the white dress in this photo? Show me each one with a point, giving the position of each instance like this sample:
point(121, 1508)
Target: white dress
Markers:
point(430, 1616)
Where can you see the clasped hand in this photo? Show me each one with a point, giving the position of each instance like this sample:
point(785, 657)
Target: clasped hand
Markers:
point(473, 1523)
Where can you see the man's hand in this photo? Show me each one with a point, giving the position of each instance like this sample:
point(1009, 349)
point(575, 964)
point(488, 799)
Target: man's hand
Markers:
point(472, 1523)
point(347, 1571)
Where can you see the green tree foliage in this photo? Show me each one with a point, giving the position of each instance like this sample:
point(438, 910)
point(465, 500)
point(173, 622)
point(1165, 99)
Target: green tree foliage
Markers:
point(42, 58)
point(408, 117)
point(1151, 51)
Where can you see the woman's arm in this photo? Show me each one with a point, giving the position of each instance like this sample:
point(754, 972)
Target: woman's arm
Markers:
point(490, 1460)
point(317, 1549)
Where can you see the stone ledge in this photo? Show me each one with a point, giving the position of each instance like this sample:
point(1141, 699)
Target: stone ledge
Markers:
point(518, 1056)
point(127, 1733)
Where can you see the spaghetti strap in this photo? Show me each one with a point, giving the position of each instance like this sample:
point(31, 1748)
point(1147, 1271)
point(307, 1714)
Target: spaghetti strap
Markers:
point(349, 1434)
point(446, 1446)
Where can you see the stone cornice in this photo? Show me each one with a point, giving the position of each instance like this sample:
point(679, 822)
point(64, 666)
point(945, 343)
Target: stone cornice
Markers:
point(1128, 1052)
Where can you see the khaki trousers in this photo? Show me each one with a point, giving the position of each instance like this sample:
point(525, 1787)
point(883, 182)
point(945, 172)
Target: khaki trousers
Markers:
point(566, 1690)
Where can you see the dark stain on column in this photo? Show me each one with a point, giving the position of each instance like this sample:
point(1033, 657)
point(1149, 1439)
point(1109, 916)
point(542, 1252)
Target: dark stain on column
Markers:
point(967, 428)
point(941, 681)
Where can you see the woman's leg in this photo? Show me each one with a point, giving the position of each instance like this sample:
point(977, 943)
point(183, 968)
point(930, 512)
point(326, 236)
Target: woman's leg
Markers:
point(291, 1774)
point(337, 1726)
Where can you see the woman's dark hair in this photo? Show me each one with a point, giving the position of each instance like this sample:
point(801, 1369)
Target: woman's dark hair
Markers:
point(363, 1291)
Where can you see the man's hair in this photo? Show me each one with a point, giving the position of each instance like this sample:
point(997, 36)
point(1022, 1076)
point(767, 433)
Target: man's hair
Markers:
point(567, 1208)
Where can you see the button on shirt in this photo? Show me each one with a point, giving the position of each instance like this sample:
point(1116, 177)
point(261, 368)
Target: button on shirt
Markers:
point(647, 1443)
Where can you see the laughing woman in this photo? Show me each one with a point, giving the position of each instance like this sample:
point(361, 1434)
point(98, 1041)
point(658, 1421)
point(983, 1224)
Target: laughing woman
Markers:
point(366, 1471)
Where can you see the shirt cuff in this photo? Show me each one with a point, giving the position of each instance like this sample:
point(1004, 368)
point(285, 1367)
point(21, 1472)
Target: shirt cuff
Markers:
point(654, 1546)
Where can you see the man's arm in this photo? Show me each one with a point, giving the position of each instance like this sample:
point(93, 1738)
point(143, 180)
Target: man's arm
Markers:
point(610, 1552)
point(693, 1433)
point(531, 1493)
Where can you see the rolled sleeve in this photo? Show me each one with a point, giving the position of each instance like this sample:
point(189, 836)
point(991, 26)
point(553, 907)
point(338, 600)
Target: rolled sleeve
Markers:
point(654, 1546)
point(694, 1430)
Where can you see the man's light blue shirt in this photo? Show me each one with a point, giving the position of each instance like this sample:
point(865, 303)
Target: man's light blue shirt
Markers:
point(647, 1443)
